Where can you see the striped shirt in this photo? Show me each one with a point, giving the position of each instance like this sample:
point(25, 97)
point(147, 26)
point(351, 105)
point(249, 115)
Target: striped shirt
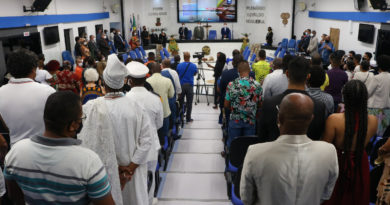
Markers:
point(56, 171)
point(327, 99)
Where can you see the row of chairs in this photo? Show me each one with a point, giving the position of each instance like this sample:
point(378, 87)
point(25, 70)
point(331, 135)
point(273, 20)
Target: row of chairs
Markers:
point(212, 35)
point(287, 46)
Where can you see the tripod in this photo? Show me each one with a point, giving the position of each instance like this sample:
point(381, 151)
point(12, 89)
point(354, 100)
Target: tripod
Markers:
point(200, 85)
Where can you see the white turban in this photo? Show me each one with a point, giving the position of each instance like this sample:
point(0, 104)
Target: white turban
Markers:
point(91, 75)
point(115, 72)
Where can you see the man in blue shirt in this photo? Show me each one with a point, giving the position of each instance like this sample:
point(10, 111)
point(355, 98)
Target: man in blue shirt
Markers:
point(187, 71)
point(325, 50)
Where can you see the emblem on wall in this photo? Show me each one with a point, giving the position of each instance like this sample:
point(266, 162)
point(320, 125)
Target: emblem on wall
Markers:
point(158, 22)
point(285, 17)
point(206, 50)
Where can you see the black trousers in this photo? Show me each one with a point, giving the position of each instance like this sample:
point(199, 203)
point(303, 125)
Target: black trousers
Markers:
point(216, 93)
point(188, 93)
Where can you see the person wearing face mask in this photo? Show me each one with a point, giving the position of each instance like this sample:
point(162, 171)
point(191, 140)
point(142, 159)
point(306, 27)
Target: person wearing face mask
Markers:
point(118, 128)
point(306, 40)
point(119, 43)
point(313, 45)
point(183, 32)
point(225, 32)
point(85, 52)
point(53, 156)
point(22, 110)
point(325, 50)
point(103, 45)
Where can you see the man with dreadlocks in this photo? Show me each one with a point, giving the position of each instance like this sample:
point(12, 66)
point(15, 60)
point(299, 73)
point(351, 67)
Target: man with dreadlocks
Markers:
point(350, 132)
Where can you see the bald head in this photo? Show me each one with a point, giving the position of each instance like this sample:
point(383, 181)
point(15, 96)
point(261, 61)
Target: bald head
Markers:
point(295, 114)
point(155, 67)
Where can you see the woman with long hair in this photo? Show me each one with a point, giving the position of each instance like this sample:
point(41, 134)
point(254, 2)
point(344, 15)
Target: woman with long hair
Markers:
point(350, 132)
point(218, 68)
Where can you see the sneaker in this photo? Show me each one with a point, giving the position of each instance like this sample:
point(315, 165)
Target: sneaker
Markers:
point(190, 120)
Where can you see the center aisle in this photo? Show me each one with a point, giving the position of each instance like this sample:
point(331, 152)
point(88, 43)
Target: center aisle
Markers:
point(195, 173)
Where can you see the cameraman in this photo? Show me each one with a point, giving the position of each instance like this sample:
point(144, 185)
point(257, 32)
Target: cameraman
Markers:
point(187, 71)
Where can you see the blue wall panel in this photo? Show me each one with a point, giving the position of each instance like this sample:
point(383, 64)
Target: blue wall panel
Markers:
point(377, 17)
point(22, 21)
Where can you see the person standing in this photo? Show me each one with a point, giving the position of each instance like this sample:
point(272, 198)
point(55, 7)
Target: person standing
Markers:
point(313, 45)
point(225, 32)
point(163, 38)
point(317, 78)
point(145, 36)
point(325, 50)
point(52, 167)
point(119, 43)
point(77, 47)
point(153, 37)
point(174, 77)
point(364, 75)
point(103, 45)
point(93, 48)
point(350, 132)
point(199, 32)
point(297, 74)
point(293, 169)
point(183, 32)
point(243, 98)
point(187, 71)
point(153, 106)
point(22, 111)
point(337, 79)
point(163, 87)
point(276, 82)
point(218, 68)
point(261, 67)
point(270, 37)
point(117, 128)
point(379, 94)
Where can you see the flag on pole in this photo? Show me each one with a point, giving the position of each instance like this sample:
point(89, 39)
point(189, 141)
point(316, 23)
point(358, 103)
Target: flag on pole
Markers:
point(134, 25)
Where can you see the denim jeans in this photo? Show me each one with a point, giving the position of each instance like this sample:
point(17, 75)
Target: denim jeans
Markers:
point(163, 131)
point(238, 129)
point(172, 106)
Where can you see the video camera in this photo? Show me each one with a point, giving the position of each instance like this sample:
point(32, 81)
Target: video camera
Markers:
point(199, 56)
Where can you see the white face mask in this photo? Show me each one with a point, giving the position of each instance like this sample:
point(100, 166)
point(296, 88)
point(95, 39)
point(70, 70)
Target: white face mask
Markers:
point(80, 64)
point(311, 35)
point(119, 33)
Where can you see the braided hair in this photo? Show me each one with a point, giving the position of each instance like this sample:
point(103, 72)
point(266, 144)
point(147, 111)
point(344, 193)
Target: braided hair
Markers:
point(355, 98)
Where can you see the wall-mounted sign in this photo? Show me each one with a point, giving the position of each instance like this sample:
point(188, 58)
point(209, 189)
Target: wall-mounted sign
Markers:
point(255, 15)
point(26, 34)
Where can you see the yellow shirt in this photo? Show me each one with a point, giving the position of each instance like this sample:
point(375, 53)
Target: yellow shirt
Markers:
point(326, 83)
point(164, 87)
point(261, 69)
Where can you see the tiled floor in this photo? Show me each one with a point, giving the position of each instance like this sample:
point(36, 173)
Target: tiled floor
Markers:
point(195, 175)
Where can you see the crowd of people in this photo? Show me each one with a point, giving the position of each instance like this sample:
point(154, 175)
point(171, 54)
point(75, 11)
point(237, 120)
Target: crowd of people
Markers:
point(93, 131)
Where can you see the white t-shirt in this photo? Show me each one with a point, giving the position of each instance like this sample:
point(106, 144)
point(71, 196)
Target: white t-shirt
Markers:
point(21, 106)
point(365, 77)
point(42, 76)
point(357, 68)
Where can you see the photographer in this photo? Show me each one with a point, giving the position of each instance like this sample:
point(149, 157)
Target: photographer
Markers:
point(187, 71)
point(218, 68)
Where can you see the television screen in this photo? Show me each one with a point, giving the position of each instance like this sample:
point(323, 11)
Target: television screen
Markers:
point(206, 11)
point(366, 33)
point(51, 35)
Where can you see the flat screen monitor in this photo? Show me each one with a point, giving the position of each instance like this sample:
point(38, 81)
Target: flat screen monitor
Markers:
point(189, 11)
point(51, 35)
point(366, 33)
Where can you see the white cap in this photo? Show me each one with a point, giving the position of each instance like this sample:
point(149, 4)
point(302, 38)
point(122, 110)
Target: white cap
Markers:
point(137, 69)
point(115, 72)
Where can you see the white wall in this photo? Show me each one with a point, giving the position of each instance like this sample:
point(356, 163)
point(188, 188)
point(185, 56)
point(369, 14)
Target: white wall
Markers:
point(142, 10)
point(348, 32)
point(15, 8)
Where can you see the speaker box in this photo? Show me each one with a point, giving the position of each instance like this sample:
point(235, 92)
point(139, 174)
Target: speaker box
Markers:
point(358, 4)
point(40, 5)
point(379, 4)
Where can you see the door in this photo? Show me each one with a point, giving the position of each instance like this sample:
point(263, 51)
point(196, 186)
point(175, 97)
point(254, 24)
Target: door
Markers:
point(82, 32)
point(98, 27)
point(335, 37)
point(68, 46)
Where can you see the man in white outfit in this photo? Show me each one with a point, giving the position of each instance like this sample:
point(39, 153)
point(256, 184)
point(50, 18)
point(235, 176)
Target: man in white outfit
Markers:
point(117, 128)
point(153, 106)
point(293, 169)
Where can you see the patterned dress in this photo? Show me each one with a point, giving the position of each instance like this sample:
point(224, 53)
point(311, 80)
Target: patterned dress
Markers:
point(244, 95)
point(67, 80)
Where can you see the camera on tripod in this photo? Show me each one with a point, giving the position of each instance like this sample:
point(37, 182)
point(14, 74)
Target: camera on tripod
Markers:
point(199, 56)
